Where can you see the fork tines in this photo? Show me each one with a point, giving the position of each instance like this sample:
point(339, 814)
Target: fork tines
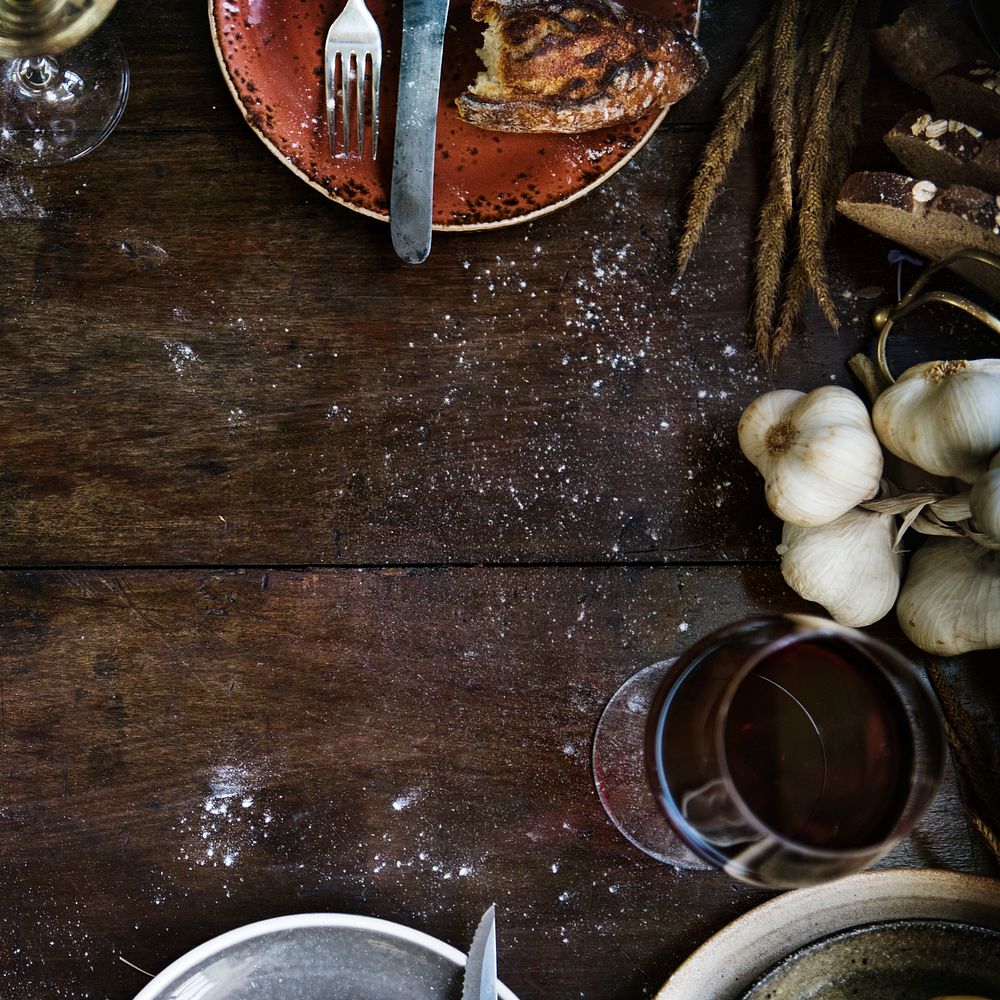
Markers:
point(353, 64)
point(349, 87)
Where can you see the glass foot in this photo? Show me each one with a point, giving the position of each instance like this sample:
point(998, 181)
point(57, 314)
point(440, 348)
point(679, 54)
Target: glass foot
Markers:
point(54, 109)
point(620, 771)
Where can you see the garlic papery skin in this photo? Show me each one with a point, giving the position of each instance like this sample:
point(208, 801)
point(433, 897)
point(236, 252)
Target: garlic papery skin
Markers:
point(849, 566)
point(950, 601)
point(943, 416)
point(817, 452)
point(984, 501)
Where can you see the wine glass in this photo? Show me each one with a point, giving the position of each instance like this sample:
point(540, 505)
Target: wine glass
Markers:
point(62, 88)
point(784, 750)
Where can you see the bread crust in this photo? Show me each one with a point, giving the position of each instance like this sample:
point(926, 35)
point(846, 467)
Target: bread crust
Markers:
point(969, 92)
point(932, 221)
point(928, 38)
point(576, 65)
point(946, 151)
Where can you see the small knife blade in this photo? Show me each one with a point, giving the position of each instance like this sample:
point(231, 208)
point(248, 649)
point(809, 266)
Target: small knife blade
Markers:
point(412, 195)
point(480, 982)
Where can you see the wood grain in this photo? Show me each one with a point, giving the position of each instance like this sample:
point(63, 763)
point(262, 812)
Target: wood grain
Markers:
point(187, 751)
point(206, 364)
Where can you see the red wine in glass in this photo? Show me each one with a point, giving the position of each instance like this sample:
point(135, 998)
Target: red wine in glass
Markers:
point(784, 750)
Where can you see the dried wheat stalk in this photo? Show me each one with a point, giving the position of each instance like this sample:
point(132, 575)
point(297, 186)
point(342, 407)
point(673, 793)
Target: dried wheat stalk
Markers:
point(776, 211)
point(814, 166)
point(784, 71)
point(738, 105)
point(814, 57)
point(769, 265)
point(845, 120)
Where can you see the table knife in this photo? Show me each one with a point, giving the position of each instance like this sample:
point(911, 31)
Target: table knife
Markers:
point(480, 981)
point(412, 195)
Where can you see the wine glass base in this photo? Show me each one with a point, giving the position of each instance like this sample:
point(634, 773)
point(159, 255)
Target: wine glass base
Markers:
point(55, 109)
point(620, 771)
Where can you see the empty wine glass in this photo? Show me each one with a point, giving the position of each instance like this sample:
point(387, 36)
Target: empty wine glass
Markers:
point(784, 750)
point(63, 88)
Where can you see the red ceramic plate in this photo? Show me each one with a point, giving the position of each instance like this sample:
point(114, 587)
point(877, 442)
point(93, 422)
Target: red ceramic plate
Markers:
point(271, 53)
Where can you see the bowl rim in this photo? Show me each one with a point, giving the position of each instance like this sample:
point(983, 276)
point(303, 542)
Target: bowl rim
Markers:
point(154, 989)
point(751, 945)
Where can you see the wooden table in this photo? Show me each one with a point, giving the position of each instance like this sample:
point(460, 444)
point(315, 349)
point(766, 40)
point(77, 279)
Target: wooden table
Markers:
point(318, 568)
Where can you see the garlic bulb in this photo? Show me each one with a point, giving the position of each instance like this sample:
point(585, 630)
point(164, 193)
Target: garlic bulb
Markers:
point(985, 500)
point(950, 601)
point(849, 566)
point(817, 453)
point(943, 416)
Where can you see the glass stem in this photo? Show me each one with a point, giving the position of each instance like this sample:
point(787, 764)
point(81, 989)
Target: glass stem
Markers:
point(36, 73)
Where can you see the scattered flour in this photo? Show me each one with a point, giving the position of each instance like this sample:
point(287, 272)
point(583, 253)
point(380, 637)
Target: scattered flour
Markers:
point(18, 200)
point(182, 357)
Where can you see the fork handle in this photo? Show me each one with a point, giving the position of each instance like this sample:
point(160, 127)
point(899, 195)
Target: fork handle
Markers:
point(412, 196)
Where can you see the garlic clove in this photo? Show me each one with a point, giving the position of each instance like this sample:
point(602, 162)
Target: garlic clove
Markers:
point(817, 452)
point(943, 416)
point(850, 565)
point(950, 600)
point(984, 501)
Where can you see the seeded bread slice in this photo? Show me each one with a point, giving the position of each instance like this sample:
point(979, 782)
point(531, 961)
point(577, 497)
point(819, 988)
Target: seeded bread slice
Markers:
point(932, 221)
point(969, 93)
point(945, 150)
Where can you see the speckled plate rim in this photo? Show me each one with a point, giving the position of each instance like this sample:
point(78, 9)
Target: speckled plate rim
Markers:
point(438, 226)
point(153, 990)
point(729, 963)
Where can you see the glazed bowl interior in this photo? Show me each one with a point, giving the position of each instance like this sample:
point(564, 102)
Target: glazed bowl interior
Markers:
point(316, 957)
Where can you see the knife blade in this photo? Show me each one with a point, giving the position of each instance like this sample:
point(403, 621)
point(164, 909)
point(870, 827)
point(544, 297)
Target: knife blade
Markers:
point(480, 982)
point(412, 194)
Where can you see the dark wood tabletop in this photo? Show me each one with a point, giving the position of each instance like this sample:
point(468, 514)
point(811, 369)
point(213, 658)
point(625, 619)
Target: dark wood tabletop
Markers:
point(360, 550)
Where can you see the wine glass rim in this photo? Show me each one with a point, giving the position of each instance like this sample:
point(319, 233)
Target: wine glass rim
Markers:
point(814, 628)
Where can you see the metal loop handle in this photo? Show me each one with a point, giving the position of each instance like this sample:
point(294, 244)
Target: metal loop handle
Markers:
point(884, 318)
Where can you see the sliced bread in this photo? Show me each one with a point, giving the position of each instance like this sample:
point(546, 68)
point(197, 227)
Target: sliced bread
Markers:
point(945, 150)
point(576, 65)
point(969, 93)
point(934, 222)
point(928, 38)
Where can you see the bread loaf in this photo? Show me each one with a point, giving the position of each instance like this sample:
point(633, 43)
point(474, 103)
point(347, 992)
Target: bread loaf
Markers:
point(928, 38)
point(969, 93)
point(946, 151)
point(934, 222)
point(576, 65)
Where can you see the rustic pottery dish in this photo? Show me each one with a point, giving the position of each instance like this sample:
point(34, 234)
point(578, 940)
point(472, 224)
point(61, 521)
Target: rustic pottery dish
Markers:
point(736, 959)
point(895, 960)
point(316, 956)
point(271, 57)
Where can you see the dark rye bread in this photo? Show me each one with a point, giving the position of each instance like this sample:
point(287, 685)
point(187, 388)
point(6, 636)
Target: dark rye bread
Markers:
point(934, 222)
point(576, 65)
point(928, 38)
point(968, 93)
point(946, 151)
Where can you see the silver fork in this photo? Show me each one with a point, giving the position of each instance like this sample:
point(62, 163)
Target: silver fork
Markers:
point(352, 42)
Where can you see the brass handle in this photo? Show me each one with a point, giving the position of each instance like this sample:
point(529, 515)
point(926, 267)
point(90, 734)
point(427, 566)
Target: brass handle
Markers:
point(884, 318)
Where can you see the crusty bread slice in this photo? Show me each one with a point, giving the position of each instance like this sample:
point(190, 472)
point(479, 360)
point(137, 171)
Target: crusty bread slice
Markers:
point(576, 65)
point(928, 38)
point(946, 151)
point(932, 221)
point(969, 93)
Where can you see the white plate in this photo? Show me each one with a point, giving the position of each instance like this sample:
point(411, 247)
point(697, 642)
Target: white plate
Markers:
point(728, 964)
point(316, 956)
